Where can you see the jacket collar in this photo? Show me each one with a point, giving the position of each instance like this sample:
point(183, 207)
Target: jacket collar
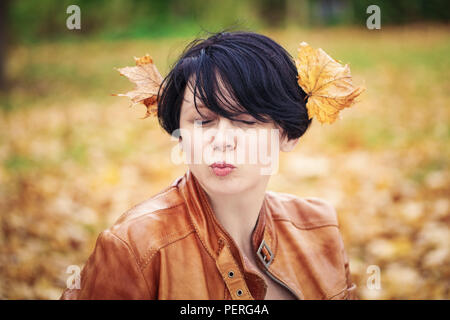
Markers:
point(213, 235)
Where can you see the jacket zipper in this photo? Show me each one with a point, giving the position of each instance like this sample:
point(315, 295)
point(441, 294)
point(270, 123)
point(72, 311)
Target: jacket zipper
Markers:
point(278, 281)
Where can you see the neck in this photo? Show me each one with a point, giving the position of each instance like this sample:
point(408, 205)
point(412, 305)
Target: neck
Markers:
point(238, 214)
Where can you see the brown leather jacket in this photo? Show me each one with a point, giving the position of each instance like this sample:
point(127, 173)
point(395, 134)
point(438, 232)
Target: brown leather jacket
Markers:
point(171, 246)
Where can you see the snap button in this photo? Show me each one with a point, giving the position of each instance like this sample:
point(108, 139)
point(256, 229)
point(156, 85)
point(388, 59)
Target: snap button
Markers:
point(239, 292)
point(230, 274)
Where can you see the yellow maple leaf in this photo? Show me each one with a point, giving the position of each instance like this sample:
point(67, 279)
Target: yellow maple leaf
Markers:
point(327, 83)
point(147, 79)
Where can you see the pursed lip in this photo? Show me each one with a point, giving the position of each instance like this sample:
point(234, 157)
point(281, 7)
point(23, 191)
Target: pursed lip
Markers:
point(221, 165)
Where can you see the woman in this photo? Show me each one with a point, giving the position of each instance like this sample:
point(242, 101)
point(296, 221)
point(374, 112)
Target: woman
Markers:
point(233, 101)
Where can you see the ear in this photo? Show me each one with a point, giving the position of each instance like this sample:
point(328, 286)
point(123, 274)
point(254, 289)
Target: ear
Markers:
point(287, 145)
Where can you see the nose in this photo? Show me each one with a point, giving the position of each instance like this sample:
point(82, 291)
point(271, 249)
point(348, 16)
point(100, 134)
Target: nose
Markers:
point(224, 138)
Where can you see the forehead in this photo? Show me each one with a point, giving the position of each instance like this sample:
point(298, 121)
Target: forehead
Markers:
point(188, 105)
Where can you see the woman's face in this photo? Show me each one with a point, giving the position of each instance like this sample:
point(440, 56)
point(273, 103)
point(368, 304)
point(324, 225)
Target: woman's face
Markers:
point(209, 140)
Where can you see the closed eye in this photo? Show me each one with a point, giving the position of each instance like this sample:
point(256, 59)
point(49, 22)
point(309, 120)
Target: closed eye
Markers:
point(202, 122)
point(247, 122)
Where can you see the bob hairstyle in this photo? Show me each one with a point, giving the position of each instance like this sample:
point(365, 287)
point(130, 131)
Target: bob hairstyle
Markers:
point(259, 75)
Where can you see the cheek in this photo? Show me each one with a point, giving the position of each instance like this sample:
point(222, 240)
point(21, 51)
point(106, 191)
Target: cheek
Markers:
point(260, 147)
point(194, 143)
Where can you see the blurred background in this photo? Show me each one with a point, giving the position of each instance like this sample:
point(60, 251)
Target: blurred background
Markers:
point(73, 158)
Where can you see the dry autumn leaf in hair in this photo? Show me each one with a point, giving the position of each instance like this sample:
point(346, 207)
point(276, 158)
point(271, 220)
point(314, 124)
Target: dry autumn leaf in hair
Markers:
point(327, 83)
point(147, 79)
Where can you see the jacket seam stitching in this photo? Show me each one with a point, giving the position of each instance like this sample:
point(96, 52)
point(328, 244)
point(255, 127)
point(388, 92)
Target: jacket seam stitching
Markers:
point(214, 258)
point(159, 239)
point(302, 228)
point(153, 198)
point(163, 193)
point(345, 272)
point(201, 240)
point(334, 295)
point(135, 259)
point(308, 227)
point(157, 210)
point(166, 236)
point(155, 250)
point(149, 250)
point(242, 271)
point(144, 215)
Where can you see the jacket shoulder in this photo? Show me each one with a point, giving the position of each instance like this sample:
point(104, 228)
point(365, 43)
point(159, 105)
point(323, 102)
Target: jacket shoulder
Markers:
point(304, 213)
point(153, 224)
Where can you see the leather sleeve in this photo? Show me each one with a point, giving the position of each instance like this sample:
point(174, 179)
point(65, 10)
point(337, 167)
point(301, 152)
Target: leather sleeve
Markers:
point(349, 293)
point(110, 273)
point(351, 286)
